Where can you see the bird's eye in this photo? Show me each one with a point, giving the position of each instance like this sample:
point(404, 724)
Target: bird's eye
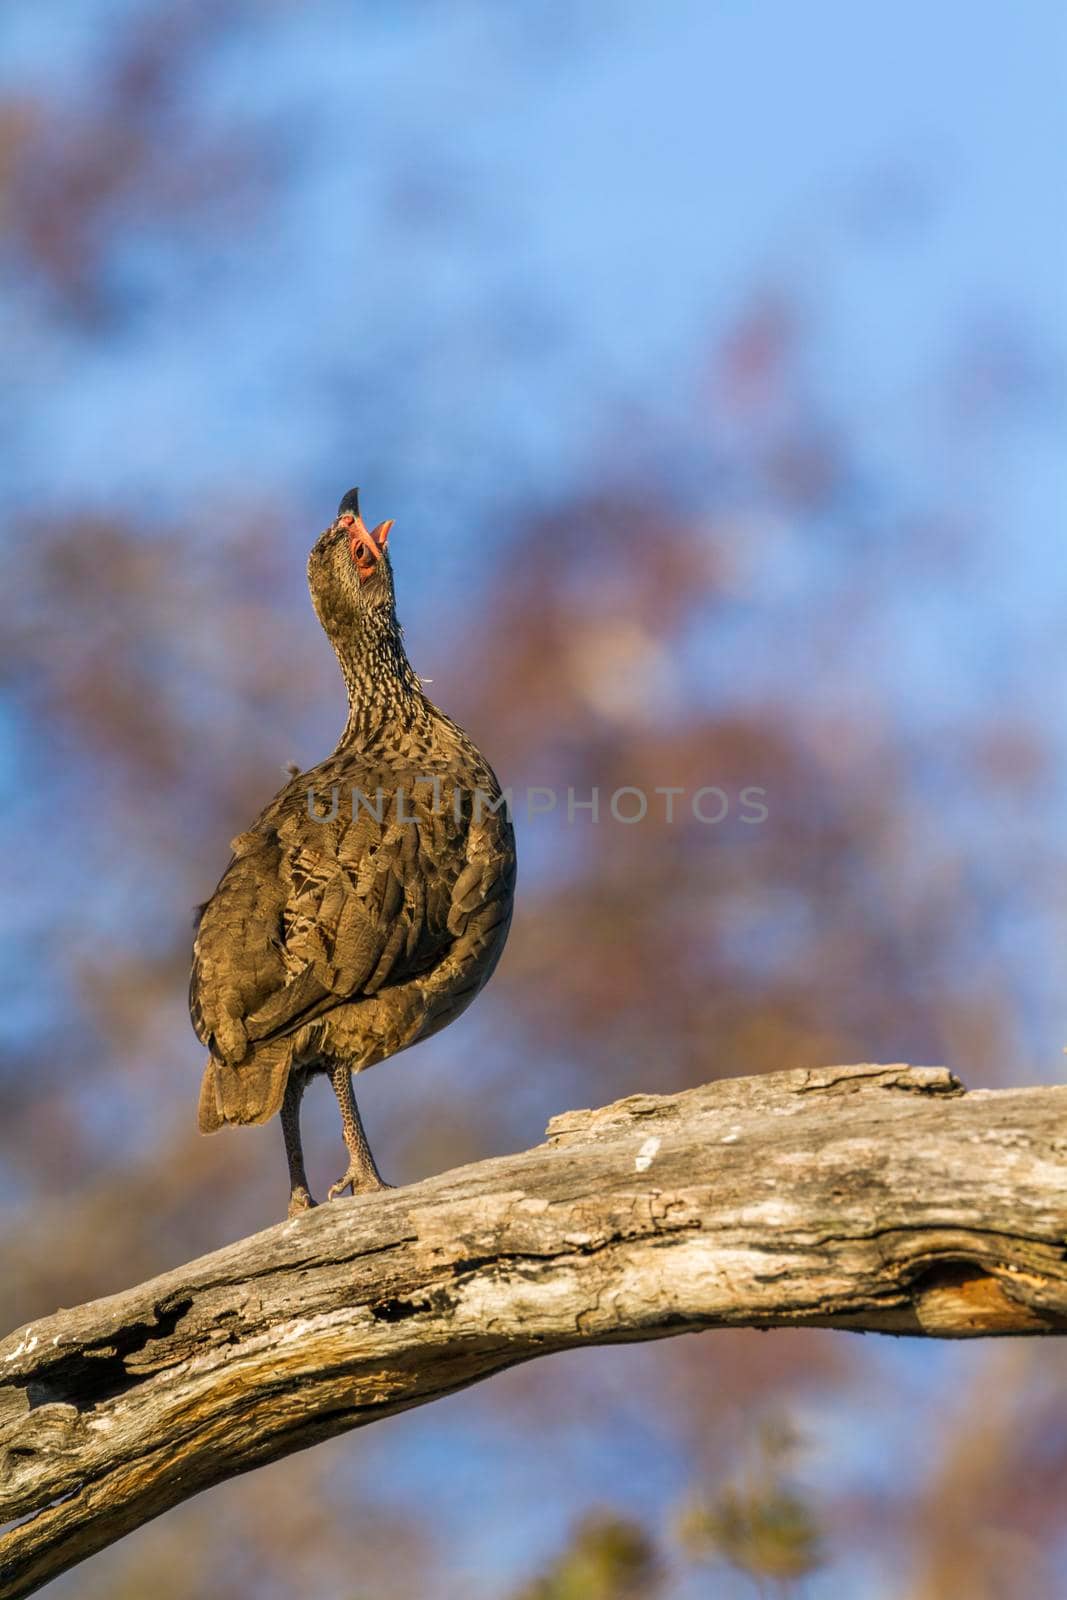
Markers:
point(360, 552)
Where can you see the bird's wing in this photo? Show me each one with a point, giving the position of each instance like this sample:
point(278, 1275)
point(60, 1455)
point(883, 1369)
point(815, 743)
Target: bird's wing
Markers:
point(310, 914)
point(237, 962)
point(479, 916)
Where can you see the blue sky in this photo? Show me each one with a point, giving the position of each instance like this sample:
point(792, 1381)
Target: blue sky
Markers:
point(609, 181)
point(537, 223)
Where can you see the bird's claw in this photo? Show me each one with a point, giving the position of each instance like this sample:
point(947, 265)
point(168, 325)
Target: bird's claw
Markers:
point(358, 1181)
point(299, 1202)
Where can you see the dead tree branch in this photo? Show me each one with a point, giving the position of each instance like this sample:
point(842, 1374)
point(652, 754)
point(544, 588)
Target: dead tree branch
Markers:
point(870, 1198)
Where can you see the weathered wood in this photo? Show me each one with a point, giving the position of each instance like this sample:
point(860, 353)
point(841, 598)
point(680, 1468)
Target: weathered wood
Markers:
point(871, 1198)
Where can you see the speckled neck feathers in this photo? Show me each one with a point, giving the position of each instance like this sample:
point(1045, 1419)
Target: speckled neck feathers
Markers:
point(384, 692)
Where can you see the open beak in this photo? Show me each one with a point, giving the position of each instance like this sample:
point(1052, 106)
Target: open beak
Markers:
point(365, 546)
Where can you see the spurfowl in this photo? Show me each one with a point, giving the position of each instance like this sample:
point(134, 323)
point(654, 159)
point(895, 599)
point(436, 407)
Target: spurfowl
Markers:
point(369, 902)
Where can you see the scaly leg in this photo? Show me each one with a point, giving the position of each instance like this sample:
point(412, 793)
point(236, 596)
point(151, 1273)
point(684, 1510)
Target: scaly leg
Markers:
point(362, 1176)
point(299, 1195)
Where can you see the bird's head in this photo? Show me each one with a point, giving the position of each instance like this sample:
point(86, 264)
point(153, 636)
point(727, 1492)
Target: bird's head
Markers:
point(349, 573)
point(365, 547)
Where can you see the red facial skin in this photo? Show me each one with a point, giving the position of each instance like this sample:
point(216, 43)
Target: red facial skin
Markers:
point(364, 547)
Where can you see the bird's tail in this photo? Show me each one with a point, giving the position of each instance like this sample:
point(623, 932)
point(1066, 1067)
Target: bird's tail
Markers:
point(252, 1092)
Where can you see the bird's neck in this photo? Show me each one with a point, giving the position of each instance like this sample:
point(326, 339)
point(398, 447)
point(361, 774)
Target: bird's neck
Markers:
point(384, 693)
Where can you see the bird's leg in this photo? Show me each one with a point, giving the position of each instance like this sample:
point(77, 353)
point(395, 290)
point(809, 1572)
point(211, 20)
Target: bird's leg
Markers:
point(299, 1195)
point(362, 1176)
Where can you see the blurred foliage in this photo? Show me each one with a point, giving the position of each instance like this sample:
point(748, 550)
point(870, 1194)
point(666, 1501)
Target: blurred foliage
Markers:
point(607, 1558)
point(759, 1525)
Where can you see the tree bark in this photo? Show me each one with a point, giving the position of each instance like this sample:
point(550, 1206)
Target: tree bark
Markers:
point(882, 1199)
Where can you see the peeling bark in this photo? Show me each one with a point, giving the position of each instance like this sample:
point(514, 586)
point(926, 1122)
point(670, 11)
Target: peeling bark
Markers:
point(882, 1199)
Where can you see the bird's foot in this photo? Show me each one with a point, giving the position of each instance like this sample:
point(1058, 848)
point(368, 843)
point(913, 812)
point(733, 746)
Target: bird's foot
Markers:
point(359, 1180)
point(299, 1202)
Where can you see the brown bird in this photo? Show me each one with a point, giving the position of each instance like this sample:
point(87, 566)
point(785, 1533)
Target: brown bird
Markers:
point(368, 904)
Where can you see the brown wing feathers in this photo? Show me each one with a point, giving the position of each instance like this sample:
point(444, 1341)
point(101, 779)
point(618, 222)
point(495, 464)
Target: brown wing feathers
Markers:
point(311, 917)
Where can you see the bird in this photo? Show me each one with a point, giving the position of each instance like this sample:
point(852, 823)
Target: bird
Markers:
point(369, 902)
